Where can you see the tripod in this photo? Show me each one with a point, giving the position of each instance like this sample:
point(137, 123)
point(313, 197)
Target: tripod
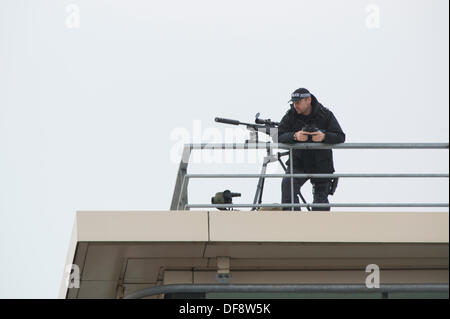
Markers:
point(269, 159)
point(261, 126)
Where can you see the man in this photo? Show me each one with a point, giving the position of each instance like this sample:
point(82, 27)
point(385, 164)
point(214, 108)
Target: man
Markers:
point(309, 121)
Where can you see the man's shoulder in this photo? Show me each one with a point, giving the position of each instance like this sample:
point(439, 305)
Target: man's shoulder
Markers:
point(324, 109)
point(322, 115)
point(288, 113)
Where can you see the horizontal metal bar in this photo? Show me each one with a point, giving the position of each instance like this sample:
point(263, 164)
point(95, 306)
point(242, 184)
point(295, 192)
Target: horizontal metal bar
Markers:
point(287, 288)
point(321, 205)
point(315, 175)
point(318, 146)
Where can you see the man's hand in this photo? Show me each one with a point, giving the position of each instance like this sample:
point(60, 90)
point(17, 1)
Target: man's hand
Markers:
point(301, 136)
point(317, 136)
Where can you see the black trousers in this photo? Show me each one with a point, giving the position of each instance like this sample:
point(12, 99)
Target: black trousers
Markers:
point(320, 190)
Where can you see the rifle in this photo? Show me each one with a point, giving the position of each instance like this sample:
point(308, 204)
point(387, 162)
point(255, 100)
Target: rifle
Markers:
point(261, 125)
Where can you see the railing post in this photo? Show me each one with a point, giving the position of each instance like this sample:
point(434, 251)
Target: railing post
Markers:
point(291, 160)
point(180, 191)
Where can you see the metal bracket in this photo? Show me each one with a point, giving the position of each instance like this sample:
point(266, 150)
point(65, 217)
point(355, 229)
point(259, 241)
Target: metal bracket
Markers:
point(223, 274)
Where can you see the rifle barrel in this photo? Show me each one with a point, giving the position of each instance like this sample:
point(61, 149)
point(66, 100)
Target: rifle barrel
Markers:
point(227, 121)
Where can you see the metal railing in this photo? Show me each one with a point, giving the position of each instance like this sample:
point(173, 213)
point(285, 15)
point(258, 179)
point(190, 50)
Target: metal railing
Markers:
point(287, 288)
point(180, 197)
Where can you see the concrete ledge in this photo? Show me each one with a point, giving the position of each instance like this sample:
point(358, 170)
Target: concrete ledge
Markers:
point(263, 226)
point(372, 227)
point(142, 226)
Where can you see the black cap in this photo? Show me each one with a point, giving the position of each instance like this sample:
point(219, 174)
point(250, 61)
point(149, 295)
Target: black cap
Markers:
point(299, 94)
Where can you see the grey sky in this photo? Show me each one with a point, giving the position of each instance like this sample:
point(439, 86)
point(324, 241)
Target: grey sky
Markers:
point(86, 114)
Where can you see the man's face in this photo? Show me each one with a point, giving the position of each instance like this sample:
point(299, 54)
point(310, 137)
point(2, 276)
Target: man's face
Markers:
point(303, 105)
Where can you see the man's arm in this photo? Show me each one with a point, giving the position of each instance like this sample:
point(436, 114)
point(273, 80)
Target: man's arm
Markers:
point(285, 131)
point(334, 133)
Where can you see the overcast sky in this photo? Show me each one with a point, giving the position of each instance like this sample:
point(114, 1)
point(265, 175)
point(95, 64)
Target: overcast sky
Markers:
point(93, 95)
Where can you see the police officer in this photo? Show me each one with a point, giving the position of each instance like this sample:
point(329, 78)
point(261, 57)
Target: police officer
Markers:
point(309, 121)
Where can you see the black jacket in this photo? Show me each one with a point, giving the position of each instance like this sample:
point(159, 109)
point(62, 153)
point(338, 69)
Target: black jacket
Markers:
point(311, 161)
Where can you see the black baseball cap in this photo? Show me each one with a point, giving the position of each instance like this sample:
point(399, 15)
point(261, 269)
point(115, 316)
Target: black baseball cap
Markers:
point(299, 94)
